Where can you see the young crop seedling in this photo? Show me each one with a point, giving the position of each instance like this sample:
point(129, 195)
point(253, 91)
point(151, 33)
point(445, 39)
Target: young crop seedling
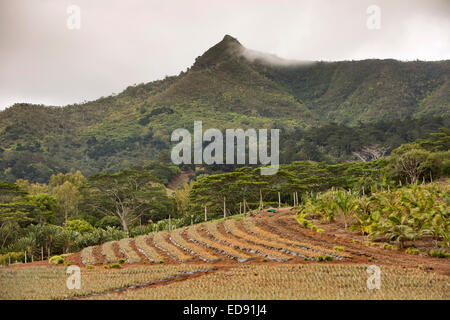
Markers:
point(412, 251)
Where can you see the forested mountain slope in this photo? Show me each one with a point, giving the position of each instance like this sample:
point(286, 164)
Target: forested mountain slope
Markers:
point(232, 87)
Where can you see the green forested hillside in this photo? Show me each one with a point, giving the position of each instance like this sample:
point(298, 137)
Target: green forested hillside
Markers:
point(326, 111)
point(368, 90)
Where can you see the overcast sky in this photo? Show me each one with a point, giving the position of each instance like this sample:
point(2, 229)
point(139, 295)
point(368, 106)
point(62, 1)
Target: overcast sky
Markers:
point(123, 42)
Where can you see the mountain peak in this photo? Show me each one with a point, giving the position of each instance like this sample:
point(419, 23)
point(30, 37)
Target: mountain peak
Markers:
point(229, 39)
point(225, 49)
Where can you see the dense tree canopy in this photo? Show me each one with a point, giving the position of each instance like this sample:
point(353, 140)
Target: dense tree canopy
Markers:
point(129, 195)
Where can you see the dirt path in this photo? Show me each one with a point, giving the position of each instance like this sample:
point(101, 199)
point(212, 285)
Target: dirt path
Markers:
point(154, 283)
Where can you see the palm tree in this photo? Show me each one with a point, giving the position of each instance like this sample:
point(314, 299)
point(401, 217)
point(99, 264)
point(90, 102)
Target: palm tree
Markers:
point(345, 204)
point(65, 239)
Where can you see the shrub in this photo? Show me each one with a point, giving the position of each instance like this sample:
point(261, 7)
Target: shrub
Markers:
point(98, 236)
point(122, 261)
point(108, 221)
point(389, 246)
point(307, 224)
point(115, 266)
point(319, 258)
point(142, 230)
point(67, 263)
point(412, 251)
point(304, 222)
point(56, 260)
point(439, 254)
point(328, 258)
point(322, 203)
point(89, 267)
point(80, 226)
point(113, 234)
point(337, 248)
point(12, 256)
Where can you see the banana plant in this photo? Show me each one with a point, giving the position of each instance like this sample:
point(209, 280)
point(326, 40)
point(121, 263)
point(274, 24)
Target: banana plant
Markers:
point(364, 216)
point(397, 229)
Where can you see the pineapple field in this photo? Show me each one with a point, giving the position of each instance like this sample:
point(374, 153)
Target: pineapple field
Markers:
point(262, 255)
point(238, 239)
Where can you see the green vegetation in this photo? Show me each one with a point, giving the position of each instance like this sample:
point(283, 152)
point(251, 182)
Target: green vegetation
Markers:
point(423, 159)
point(389, 246)
point(328, 189)
point(439, 254)
point(58, 217)
point(353, 91)
point(246, 184)
point(412, 251)
point(79, 226)
point(56, 260)
point(406, 213)
point(389, 209)
point(307, 224)
point(12, 257)
point(128, 195)
point(374, 198)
